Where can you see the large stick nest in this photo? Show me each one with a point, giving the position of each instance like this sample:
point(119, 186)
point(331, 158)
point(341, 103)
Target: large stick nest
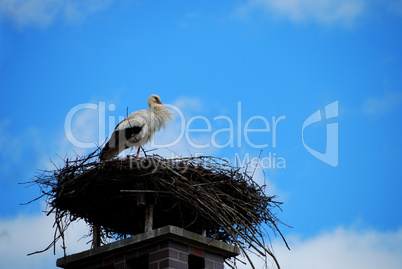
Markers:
point(195, 193)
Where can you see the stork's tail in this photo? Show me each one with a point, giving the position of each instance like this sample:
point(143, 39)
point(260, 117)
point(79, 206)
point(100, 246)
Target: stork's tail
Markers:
point(111, 149)
point(108, 152)
point(118, 142)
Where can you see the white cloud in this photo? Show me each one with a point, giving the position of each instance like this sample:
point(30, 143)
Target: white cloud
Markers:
point(26, 234)
point(34, 12)
point(328, 12)
point(189, 104)
point(41, 13)
point(341, 248)
point(76, 11)
point(382, 104)
point(338, 248)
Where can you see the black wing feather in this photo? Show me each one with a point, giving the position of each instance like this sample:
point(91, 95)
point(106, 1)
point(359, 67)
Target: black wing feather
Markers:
point(118, 141)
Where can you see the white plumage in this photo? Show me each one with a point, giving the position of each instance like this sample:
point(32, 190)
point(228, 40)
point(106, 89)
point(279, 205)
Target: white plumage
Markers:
point(137, 129)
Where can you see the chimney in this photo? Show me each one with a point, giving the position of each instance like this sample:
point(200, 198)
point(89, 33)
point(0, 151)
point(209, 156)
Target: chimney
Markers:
point(166, 247)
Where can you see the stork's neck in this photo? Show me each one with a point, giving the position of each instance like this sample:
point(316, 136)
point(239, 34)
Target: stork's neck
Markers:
point(156, 108)
point(162, 113)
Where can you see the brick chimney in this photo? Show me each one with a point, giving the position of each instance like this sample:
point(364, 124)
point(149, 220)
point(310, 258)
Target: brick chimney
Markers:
point(166, 247)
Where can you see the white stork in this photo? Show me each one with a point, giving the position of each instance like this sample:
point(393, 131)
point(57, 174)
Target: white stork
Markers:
point(137, 129)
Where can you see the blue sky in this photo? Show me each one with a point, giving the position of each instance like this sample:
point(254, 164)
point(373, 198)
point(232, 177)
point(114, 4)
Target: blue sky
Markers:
point(271, 59)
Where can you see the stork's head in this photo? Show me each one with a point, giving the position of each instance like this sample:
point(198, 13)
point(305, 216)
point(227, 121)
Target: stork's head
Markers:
point(154, 100)
point(164, 114)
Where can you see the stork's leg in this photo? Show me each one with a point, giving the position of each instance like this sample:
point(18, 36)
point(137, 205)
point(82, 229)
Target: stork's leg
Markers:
point(138, 151)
